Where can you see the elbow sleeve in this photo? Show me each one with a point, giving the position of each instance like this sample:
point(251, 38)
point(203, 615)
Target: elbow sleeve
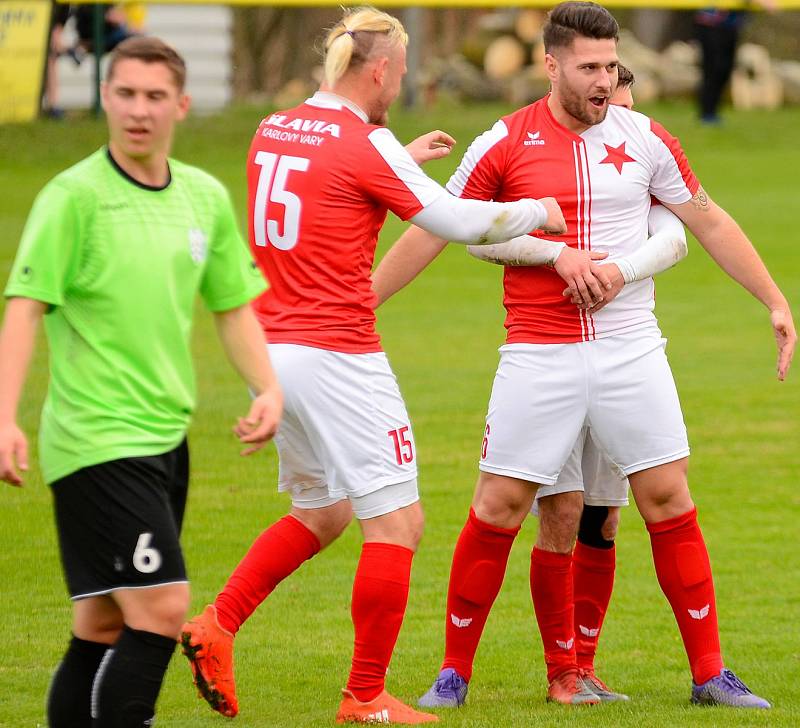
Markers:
point(479, 222)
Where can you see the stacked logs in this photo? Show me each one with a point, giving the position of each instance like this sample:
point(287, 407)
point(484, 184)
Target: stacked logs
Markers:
point(504, 59)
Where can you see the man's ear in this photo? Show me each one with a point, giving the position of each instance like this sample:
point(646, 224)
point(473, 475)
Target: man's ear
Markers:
point(551, 66)
point(184, 102)
point(379, 70)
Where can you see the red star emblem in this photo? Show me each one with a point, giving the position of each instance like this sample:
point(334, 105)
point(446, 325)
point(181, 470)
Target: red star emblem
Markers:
point(617, 156)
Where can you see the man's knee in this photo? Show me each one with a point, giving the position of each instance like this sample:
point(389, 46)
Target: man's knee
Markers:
point(97, 619)
point(328, 523)
point(662, 492)
point(403, 526)
point(502, 501)
point(598, 527)
point(159, 609)
point(559, 520)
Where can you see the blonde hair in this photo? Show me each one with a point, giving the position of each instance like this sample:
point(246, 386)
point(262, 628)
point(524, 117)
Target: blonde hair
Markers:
point(351, 42)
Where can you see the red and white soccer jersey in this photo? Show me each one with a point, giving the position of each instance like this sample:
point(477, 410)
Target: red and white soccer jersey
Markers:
point(603, 179)
point(320, 181)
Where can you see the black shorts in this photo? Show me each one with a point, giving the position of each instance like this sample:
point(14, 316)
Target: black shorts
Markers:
point(119, 523)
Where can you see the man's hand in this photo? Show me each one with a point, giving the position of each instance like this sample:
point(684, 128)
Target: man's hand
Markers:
point(555, 223)
point(587, 282)
point(617, 284)
point(262, 420)
point(785, 338)
point(13, 454)
point(433, 145)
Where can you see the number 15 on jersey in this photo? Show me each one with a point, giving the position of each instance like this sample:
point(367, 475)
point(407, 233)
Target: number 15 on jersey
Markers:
point(272, 179)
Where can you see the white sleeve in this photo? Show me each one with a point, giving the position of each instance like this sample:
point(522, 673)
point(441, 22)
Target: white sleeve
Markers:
point(665, 247)
point(523, 250)
point(480, 222)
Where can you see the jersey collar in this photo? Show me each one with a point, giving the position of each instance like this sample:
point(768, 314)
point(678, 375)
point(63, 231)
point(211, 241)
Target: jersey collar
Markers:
point(557, 124)
point(329, 100)
point(132, 180)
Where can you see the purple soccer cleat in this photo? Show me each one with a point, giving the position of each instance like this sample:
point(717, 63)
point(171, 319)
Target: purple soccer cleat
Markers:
point(726, 689)
point(448, 691)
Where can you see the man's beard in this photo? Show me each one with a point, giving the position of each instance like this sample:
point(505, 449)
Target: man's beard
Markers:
point(575, 106)
point(378, 116)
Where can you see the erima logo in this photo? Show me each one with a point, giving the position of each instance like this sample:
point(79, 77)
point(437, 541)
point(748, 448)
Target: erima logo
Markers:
point(566, 645)
point(700, 613)
point(460, 622)
point(589, 632)
point(533, 139)
point(382, 717)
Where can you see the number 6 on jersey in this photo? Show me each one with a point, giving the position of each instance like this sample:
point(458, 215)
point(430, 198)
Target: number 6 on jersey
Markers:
point(271, 187)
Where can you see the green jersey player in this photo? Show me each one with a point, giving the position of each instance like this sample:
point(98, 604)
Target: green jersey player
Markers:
point(113, 255)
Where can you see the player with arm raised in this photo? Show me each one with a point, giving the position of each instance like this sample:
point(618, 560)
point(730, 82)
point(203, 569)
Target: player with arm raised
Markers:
point(114, 253)
point(321, 178)
point(602, 164)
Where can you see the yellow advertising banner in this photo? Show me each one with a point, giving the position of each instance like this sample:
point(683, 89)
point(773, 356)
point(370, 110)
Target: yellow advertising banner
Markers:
point(24, 36)
point(665, 4)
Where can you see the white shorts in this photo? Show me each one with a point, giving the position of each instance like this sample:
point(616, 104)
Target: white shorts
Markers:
point(589, 470)
point(345, 432)
point(543, 395)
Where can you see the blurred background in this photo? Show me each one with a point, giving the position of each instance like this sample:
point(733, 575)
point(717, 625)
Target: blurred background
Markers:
point(270, 55)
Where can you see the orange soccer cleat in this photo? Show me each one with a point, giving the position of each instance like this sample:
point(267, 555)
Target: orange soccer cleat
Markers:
point(383, 709)
point(569, 689)
point(209, 649)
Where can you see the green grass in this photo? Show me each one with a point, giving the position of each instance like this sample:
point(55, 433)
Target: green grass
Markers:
point(442, 337)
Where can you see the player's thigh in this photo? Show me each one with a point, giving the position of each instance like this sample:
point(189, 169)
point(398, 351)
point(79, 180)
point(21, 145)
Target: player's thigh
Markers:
point(536, 411)
point(353, 418)
point(116, 527)
point(635, 414)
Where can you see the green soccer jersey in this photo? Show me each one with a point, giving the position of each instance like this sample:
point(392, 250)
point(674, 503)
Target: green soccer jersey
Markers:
point(120, 265)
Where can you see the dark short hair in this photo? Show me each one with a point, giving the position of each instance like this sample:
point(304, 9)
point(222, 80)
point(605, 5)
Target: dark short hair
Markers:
point(149, 50)
point(567, 21)
point(624, 76)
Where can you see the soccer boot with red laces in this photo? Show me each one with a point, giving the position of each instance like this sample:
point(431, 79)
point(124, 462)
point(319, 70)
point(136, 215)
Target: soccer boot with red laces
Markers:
point(384, 708)
point(600, 689)
point(569, 689)
point(209, 649)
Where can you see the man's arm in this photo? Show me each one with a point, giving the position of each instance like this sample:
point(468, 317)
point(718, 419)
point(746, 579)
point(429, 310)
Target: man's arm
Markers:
point(245, 346)
point(730, 248)
point(414, 251)
point(589, 282)
point(586, 281)
point(17, 338)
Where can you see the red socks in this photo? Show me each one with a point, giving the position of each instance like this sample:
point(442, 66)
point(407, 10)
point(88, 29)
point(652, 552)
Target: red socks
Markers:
point(593, 581)
point(551, 589)
point(479, 565)
point(684, 573)
point(380, 594)
point(275, 554)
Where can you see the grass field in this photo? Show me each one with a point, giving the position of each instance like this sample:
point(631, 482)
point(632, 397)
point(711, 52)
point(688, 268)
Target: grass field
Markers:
point(442, 337)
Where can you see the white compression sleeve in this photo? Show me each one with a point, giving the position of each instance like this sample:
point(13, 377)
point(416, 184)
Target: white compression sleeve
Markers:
point(665, 247)
point(523, 250)
point(479, 222)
